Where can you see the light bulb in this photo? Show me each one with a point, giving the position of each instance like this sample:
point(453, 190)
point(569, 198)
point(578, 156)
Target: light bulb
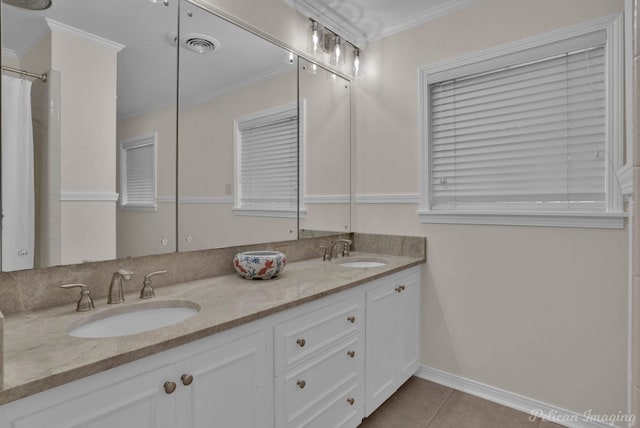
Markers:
point(314, 42)
point(315, 37)
point(336, 56)
point(357, 71)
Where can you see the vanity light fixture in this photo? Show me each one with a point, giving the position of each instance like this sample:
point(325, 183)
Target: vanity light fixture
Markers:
point(330, 46)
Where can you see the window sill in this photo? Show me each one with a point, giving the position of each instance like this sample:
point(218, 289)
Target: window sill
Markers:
point(270, 212)
point(139, 207)
point(598, 220)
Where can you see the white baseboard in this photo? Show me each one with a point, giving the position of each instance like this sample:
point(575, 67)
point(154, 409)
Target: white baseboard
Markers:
point(515, 401)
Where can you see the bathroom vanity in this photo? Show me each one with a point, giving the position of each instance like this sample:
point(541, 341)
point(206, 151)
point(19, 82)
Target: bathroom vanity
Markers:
point(321, 345)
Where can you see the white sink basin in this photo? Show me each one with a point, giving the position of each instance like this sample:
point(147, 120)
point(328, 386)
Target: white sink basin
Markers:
point(361, 262)
point(123, 320)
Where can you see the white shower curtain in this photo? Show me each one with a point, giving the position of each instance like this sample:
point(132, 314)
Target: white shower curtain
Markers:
point(18, 204)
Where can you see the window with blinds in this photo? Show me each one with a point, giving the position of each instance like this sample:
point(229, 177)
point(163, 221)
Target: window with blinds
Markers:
point(529, 134)
point(138, 172)
point(267, 162)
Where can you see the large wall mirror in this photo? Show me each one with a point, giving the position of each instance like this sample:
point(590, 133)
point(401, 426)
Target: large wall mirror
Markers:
point(109, 65)
point(147, 141)
point(238, 133)
point(325, 171)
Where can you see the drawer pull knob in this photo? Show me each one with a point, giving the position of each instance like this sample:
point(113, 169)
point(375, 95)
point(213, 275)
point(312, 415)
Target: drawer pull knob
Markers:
point(351, 401)
point(186, 379)
point(169, 387)
point(351, 319)
point(301, 384)
point(398, 289)
point(351, 354)
point(301, 342)
point(402, 287)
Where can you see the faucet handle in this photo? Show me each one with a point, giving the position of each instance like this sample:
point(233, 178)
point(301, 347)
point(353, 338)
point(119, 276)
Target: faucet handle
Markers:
point(346, 247)
point(326, 249)
point(147, 290)
point(85, 303)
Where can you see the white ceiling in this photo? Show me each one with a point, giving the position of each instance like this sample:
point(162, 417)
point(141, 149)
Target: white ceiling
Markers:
point(363, 21)
point(148, 63)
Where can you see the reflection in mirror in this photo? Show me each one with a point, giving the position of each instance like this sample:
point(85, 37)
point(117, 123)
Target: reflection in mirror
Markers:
point(326, 150)
point(110, 93)
point(238, 133)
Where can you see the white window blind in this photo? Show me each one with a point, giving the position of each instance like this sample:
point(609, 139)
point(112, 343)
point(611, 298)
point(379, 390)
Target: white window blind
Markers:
point(525, 137)
point(138, 172)
point(267, 161)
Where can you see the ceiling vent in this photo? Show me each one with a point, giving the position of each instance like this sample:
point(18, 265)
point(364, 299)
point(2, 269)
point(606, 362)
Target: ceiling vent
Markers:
point(195, 42)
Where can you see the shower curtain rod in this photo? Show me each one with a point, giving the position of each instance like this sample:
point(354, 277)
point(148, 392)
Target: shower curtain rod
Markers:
point(42, 77)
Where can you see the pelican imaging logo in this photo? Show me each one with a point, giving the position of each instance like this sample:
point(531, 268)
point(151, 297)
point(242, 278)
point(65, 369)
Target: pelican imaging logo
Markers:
point(615, 419)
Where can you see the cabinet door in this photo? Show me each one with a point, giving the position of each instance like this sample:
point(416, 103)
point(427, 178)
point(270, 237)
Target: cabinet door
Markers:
point(408, 330)
point(139, 401)
point(230, 386)
point(380, 360)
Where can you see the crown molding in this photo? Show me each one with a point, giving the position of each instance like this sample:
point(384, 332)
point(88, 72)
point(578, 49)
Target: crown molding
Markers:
point(337, 22)
point(59, 27)
point(427, 15)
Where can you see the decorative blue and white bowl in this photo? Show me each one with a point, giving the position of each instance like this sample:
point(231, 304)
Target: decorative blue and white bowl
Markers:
point(259, 264)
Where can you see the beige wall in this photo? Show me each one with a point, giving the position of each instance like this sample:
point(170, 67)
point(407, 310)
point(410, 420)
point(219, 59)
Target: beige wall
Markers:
point(536, 311)
point(88, 95)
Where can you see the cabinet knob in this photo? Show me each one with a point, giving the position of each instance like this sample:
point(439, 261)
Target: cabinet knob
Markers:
point(351, 401)
point(402, 287)
point(398, 289)
point(186, 379)
point(351, 354)
point(301, 342)
point(169, 387)
point(301, 384)
point(351, 319)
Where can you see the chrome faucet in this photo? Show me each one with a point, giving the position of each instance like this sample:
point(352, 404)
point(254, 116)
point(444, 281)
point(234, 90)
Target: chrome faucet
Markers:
point(116, 292)
point(333, 249)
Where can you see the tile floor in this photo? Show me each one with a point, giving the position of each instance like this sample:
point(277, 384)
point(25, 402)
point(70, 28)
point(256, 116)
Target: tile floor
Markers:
point(420, 403)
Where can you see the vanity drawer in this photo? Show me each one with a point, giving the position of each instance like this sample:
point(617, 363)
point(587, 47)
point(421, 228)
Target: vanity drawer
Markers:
point(318, 381)
point(345, 409)
point(300, 338)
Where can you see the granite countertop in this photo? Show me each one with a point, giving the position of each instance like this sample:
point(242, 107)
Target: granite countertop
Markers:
point(39, 355)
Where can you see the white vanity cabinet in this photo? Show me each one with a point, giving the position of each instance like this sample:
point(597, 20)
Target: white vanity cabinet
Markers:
point(319, 367)
point(230, 385)
point(327, 363)
point(392, 335)
point(98, 402)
